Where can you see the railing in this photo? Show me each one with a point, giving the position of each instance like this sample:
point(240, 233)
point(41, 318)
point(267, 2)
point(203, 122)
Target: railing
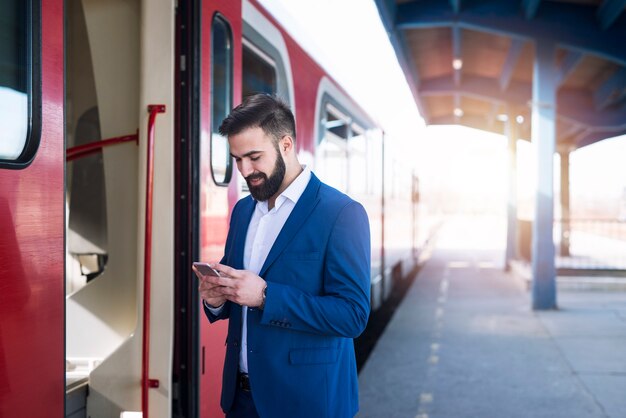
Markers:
point(84, 150)
point(146, 382)
point(93, 147)
point(590, 244)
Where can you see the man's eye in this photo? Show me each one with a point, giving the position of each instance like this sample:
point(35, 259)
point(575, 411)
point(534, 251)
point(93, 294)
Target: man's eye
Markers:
point(254, 158)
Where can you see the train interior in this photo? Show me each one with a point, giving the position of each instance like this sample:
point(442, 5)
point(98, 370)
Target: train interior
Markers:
point(102, 97)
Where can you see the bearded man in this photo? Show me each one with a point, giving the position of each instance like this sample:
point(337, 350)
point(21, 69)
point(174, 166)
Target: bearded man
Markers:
point(294, 280)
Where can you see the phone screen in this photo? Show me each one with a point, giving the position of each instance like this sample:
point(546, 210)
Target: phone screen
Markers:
point(205, 270)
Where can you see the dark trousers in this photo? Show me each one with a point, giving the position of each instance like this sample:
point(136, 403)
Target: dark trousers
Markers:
point(243, 406)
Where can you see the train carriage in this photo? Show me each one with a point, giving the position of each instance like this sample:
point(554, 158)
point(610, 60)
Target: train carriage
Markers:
point(113, 180)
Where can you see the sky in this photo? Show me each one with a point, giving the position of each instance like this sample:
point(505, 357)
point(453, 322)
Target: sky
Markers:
point(348, 39)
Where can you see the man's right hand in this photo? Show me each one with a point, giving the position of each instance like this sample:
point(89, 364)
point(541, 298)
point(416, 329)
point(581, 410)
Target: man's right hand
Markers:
point(211, 294)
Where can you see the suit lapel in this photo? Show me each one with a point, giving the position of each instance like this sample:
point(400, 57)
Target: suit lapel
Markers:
point(241, 230)
point(241, 224)
point(307, 202)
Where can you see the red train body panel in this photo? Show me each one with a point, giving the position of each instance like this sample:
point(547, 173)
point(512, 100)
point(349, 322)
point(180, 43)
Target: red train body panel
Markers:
point(32, 252)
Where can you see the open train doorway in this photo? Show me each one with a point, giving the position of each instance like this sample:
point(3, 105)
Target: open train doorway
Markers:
point(101, 199)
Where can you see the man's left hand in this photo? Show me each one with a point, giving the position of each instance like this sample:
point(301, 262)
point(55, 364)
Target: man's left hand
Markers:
point(240, 286)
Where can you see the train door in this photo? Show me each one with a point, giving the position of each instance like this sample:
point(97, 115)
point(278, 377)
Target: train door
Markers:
point(31, 208)
point(208, 74)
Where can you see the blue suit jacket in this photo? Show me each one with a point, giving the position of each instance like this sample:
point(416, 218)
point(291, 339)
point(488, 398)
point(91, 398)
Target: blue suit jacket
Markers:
point(300, 351)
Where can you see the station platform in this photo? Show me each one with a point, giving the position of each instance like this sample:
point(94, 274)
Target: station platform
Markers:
point(465, 342)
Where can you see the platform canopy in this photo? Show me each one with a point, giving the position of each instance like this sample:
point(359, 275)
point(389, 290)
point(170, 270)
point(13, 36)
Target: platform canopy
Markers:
point(470, 62)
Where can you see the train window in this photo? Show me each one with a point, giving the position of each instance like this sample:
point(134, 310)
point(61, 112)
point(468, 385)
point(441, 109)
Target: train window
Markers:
point(259, 71)
point(332, 153)
point(343, 152)
point(221, 99)
point(357, 160)
point(19, 92)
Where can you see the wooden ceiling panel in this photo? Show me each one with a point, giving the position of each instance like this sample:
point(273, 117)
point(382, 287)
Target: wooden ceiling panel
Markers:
point(484, 54)
point(439, 106)
point(524, 68)
point(426, 34)
point(431, 51)
point(476, 107)
point(584, 2)
point(590, 73)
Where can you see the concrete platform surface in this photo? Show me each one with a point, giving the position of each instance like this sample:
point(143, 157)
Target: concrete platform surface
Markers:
point(465, 343)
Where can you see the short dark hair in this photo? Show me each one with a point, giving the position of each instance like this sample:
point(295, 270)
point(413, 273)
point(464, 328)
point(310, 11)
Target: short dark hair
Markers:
point(264, 111)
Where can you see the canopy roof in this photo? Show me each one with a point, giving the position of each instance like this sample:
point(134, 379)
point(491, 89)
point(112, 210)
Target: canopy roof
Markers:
point(470, 62)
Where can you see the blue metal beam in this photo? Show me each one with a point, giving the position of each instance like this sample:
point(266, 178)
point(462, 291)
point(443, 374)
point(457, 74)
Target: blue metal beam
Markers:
point(573, 105)
point(482, 88)
point(530, 7)
point(387, 12)
point(510, 62)
point(511, 129)
point(591, 137)
point(567, 25)
point(543, 134)
point(491, 116)
point(609, 11)
point(470, 120)
point(611, 91)
point(456, 5)
point(573, 130)
point(456, 53)
point(571, 60)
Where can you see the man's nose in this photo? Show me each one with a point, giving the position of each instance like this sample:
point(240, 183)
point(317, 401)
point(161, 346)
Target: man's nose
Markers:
point(245, 168)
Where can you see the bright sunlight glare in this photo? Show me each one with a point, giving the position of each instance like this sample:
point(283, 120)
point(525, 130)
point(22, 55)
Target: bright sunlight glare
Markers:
point(460, 169)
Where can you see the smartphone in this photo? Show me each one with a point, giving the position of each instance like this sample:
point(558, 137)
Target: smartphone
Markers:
point(205, 269)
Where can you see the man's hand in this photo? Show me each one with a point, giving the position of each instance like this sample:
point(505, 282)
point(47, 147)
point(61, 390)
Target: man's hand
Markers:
point(212, 294)
point(240, 286)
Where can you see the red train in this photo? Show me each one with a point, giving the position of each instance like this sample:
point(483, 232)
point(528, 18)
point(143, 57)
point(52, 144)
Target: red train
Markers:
point(113, 180)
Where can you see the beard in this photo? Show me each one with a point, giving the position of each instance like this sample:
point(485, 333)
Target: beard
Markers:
point(270, 185)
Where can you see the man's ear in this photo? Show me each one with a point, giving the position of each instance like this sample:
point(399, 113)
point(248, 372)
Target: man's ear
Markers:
point(287, 143)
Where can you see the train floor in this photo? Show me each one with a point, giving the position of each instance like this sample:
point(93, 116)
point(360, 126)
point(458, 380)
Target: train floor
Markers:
point(464, 342)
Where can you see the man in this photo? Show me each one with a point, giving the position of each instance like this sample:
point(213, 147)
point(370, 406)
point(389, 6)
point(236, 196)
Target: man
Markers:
point(295, 278)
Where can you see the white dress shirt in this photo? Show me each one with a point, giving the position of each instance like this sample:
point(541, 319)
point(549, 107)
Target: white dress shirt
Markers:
point(265, 225)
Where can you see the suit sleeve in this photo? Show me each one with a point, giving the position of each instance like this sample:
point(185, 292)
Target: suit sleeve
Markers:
point(343, 308)
point(225, 312)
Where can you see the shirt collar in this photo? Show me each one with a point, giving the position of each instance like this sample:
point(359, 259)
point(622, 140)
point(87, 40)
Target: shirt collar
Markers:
point(292, 192)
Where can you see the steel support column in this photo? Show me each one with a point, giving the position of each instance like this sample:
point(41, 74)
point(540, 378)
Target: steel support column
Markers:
point(511, 211)
point(565, 213)
point(543, 137)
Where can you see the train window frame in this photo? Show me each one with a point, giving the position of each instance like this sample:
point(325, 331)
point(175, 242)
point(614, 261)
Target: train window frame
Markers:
point(229, 74)
point(327, 101)
point(261, 56)
point(270, 44)
point(33, 89)
point(332, 106)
